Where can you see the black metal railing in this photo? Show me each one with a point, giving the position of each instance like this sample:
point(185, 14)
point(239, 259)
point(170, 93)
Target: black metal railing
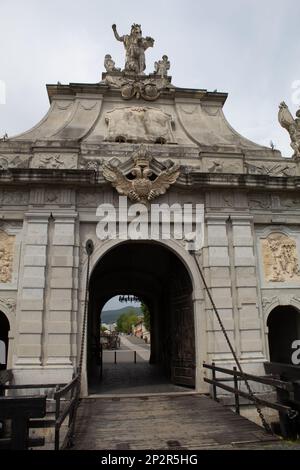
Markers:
point(288, 413)
point(25, 411)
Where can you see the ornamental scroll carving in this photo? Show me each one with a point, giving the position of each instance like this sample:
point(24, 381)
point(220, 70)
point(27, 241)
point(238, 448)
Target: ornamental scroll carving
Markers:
point(280, 258)
point(6, 256)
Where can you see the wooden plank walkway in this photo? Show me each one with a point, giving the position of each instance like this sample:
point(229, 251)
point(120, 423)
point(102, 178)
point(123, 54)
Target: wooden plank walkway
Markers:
point(163, 422)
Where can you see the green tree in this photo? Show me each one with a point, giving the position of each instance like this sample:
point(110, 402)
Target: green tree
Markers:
point(103, 328)
point(126, 321)
point(146, 315)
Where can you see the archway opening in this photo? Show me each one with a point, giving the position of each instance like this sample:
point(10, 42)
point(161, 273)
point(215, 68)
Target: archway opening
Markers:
point(284, 328)
point(153, 273)
point(4, 329)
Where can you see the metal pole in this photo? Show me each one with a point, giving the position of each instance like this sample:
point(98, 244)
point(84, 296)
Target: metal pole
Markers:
point(214, 379)
point(236, 392)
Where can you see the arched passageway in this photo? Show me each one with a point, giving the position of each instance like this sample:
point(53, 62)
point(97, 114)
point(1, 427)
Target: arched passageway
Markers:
point(284, 328)
point(155, 274)
point(4, 329)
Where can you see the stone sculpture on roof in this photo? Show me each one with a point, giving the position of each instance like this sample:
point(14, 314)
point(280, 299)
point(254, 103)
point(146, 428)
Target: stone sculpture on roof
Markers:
point(132, 81)
point(135, 46)
point(291, 125)
point(162, 66)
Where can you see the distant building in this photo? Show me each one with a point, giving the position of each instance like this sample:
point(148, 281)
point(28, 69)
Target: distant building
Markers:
point(140, 331)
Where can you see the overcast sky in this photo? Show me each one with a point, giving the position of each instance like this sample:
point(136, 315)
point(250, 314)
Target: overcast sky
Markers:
point(114, 304)
point(249, 49)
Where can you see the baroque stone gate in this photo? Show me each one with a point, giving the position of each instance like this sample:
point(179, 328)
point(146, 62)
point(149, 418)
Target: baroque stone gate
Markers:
point(141, 136)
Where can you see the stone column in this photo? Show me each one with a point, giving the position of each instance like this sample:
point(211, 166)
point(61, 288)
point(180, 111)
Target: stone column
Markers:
point(247, 320)
point(31, 297)
point(216, 264)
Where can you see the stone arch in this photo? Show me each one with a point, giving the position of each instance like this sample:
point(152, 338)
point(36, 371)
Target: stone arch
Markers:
point(4, 340)
point(103, 248)
point(283, 324)
point(7, 308)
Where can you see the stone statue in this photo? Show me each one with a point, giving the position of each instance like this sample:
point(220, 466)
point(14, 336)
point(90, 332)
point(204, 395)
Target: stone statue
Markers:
point(162, 66)
point(109, 64)
point(291, 125)
point(135, 46)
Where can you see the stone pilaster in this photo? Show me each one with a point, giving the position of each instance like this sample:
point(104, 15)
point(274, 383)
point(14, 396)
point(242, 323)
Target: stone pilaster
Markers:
point(216, 265)
point(31, 298)
point(62, 290)
point(245, 282)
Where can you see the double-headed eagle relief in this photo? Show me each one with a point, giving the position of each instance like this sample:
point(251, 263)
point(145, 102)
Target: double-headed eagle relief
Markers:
point(291, 125)
point(140, 183)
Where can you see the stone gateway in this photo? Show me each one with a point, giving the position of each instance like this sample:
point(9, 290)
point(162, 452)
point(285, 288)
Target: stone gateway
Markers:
point(99, 139)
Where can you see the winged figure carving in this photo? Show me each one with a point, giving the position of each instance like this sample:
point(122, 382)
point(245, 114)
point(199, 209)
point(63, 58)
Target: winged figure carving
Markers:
point(292, 125)
point(139, 185)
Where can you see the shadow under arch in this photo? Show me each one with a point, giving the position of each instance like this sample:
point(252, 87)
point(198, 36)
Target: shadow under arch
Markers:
point(154, 273)
point(283, 329)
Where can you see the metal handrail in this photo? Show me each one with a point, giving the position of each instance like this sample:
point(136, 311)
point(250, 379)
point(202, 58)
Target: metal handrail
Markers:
point(285, 410)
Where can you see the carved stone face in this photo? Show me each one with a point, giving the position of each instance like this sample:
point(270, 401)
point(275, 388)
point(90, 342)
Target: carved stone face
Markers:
point(136, 30)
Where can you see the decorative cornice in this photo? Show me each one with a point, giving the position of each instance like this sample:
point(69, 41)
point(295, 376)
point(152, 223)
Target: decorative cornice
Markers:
point(189, 177)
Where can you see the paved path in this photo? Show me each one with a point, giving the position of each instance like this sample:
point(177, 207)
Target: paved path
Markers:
point(164, 422)
point(130, 378)
point(138, 345)
point(126, 377)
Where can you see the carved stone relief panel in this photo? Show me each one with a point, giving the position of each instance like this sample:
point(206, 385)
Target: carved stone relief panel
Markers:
point(291, 201)
point(226, 199)
point(280, 258)
point(87, 198)
point(54, 161)
point(225, 165)
point(51, 196)
point(14, 198)
point(14, 161)
point(139, 124)
point(260, 201)
point(6, 256)
point(271, 169)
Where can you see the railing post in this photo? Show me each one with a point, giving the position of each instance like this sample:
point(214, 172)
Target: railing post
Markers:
point(135, 357)
point(236, 392)
point(115, 357)
point(57, 413)
point(214, 385)
point(72, 414)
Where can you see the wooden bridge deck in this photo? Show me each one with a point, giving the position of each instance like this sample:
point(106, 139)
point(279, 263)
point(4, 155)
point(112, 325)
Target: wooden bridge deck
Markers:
point(163, 422)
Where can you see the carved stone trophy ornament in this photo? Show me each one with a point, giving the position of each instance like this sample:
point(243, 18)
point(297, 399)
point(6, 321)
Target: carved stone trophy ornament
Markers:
point(140, 184)
point(291, 125)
